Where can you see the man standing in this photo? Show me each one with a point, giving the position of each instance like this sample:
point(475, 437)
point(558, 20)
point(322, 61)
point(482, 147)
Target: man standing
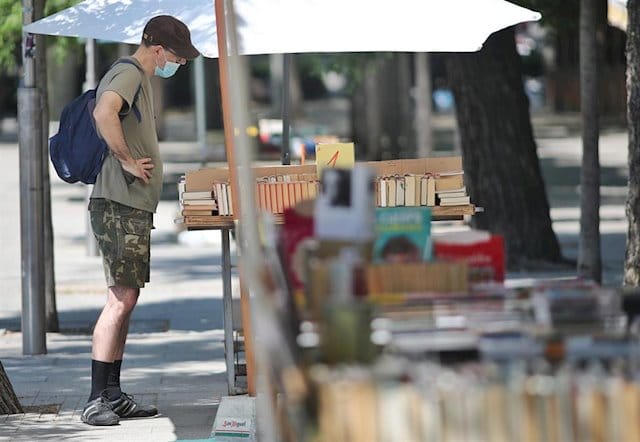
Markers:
point(124, 198)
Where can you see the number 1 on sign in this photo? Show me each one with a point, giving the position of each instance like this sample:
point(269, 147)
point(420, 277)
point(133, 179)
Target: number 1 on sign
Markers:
point(334, 155)
point(332, 161)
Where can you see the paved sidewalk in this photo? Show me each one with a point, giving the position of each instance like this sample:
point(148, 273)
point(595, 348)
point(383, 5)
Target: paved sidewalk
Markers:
point(175, 353)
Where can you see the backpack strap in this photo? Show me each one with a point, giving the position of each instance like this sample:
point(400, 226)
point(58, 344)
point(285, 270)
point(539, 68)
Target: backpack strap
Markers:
point(134, 106)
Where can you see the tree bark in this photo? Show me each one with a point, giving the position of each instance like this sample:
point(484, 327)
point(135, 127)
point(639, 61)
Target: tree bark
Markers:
point(501, 165)
point(383, 123)
point(9, 403)
point(632, 256)
point(365, 110)
point(589, 259)
point(424, 139)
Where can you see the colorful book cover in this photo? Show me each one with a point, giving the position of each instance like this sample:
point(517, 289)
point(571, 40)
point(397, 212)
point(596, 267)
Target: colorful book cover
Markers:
point(403, 234)
point(483, 251)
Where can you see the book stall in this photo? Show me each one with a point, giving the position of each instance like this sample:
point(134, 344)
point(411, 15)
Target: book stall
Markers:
point(388, 329)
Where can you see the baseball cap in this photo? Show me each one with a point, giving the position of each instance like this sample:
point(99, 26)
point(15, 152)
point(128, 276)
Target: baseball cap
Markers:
point(171, 33)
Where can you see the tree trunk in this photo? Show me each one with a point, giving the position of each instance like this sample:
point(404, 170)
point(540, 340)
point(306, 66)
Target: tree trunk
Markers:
point(424, 139)
point(51, 310)
point(383, 123)
point(589, 259)
point(632, 258)
point(296, 97)
point(365, 116)
point(501, 165)
point(9, 403)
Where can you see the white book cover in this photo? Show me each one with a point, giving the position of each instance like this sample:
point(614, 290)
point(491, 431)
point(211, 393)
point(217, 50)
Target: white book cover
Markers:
point(431, 191)
point(345, 207)
point(400, 183)
point(229, 199)
point(455, 201)
point(423, 191)
point(383, 188)
point(197, 195)
point(451, 194)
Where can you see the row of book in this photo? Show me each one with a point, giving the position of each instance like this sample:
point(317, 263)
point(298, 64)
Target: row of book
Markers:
point(276, 193)
point(472, 404)
point(442, 189)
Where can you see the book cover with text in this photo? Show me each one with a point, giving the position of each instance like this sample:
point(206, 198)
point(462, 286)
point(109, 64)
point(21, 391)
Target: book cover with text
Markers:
point(403, 234)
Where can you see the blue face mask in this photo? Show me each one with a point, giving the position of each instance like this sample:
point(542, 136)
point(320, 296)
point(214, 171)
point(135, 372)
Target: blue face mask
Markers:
point(168, 70)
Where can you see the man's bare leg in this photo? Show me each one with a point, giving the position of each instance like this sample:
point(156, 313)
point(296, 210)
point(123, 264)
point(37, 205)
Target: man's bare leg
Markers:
point(109, 334)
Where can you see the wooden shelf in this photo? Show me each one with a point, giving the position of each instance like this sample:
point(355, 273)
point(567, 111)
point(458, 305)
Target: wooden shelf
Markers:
point(438, 213)
point(212, 222)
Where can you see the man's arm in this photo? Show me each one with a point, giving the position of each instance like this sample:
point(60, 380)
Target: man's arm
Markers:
point(110, 127)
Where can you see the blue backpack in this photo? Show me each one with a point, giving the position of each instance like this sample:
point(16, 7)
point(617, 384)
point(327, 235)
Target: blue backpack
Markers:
point(76, 151)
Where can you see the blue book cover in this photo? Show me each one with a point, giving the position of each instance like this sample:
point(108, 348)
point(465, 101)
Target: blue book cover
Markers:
point(403, 234)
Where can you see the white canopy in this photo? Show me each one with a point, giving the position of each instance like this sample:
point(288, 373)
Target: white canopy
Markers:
point(295, 26)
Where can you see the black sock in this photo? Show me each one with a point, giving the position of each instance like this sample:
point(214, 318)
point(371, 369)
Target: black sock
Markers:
point(99, 375)
point(113, 381)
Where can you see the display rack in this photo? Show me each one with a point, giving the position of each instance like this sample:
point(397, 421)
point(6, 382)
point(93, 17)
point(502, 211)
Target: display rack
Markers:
point(202, 179)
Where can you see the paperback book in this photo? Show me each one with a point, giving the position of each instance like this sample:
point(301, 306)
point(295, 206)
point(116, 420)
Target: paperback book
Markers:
point(403, 234)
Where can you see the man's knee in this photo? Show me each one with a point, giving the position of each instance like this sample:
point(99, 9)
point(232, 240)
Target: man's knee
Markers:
point(124, 299)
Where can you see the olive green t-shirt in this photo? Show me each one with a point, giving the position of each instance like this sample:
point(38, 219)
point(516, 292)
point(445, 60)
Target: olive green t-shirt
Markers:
point(140, 136)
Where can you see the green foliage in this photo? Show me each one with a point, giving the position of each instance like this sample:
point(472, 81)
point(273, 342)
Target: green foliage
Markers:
point(11, 29)
point(556, 14)
point(354, 66)
point(10, 32)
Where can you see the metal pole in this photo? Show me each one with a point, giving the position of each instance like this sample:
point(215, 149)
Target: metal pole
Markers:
point(227, 301)
point(31, 230)
point(90, 83)
point(286, 73)
point(201, 108)
point(31, 200)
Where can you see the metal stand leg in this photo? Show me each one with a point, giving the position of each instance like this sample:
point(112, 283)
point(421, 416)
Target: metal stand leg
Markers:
point(227, 303)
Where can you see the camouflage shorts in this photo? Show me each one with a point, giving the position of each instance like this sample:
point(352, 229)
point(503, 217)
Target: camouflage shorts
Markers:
point(123, 234)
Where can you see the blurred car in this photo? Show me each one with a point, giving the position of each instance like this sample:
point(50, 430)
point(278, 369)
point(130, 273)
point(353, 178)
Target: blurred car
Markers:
point(302, 139)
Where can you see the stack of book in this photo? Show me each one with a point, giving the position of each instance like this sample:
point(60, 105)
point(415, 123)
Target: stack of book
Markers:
point(429, 189)
point(201, 202)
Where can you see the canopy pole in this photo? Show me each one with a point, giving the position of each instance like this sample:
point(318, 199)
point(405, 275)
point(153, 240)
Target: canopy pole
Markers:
point(285, 153)
point(229, 142)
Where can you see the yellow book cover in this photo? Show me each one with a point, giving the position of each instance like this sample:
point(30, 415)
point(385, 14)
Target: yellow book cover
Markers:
point(335, 155)
point(449, 182)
